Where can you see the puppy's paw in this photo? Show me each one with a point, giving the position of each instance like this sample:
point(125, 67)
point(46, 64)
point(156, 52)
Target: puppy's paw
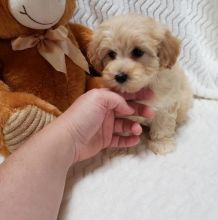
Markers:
point(162, 146)
point(158, 134)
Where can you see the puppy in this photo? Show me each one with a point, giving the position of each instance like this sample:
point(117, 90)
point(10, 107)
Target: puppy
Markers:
point(133, 52)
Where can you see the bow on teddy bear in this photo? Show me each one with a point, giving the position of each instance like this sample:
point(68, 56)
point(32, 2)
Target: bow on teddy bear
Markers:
point(42, 65)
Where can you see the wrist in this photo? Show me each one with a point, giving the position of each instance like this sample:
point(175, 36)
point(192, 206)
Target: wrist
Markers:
point(53, 144)
point(64, 141)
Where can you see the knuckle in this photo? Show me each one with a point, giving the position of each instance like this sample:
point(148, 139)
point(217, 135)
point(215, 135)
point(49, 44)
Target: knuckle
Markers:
point(95, 93)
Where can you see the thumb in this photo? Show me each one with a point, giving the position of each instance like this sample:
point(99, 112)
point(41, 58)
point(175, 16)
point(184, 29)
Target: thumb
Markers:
point(117, 103)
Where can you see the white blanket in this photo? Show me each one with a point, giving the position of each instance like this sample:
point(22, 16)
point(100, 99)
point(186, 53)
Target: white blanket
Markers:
point(137, 184)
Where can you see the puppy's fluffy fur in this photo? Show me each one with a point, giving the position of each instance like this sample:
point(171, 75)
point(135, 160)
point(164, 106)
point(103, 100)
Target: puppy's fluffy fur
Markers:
point(133, 52)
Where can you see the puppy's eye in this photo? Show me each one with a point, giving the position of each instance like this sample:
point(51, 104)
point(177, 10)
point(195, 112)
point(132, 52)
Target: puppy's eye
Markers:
point(112, 54)
point(137, 53)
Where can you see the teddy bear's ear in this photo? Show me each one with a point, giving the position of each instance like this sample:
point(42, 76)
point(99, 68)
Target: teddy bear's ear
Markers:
point(168, 50)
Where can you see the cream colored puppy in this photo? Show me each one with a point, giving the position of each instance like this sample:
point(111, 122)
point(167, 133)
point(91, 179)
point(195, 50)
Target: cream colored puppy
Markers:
point(133, 52)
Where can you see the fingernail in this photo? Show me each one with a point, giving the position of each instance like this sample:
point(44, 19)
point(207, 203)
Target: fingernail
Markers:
point(131, 110)
point(137, 129)
point(149, 113)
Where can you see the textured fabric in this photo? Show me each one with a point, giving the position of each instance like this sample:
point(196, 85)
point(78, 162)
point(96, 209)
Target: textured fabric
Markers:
point(195, 22)
point(138, 185)
point(22, 124)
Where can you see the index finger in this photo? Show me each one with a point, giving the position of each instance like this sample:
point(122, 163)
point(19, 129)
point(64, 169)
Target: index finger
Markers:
point(143, 94)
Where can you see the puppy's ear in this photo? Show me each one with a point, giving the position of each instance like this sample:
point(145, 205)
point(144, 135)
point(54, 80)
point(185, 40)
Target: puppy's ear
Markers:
point(168, 50)
point(94, 54)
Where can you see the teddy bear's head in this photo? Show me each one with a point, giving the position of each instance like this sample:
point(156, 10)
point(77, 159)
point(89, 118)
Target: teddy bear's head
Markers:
point(23, 17)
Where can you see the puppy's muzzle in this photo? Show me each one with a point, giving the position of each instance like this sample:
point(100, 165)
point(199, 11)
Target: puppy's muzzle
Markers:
point(121, 77)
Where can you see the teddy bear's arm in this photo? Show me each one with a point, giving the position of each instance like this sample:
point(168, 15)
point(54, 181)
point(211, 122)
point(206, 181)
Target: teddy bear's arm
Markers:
point(21, 115)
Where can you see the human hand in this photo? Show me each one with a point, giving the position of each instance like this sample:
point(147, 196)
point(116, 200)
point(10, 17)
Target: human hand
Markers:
point(142, 95)
point(93, 122)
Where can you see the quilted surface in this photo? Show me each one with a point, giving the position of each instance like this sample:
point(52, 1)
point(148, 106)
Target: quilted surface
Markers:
point(195, 22)
point(139, 185)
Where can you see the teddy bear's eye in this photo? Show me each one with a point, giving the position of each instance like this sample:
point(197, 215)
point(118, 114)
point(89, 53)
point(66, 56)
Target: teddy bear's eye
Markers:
point(137, 53)
point(112, 54)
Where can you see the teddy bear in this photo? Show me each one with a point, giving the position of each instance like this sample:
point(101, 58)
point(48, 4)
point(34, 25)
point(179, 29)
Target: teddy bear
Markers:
point(43, 66)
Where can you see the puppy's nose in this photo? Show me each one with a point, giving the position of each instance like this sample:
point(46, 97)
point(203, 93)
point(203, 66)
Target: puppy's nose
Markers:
point(121, 77)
